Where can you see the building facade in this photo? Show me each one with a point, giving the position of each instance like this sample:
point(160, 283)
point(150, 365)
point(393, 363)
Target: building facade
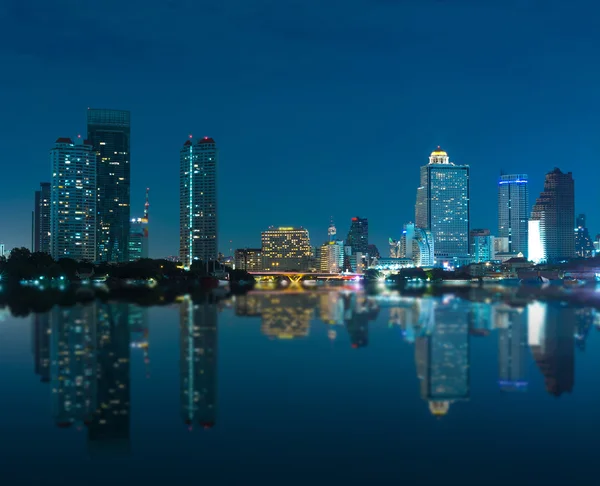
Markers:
point(331, 257)
point(286, 248)
point(249, 259)
point(443, 206)
point(584, 247)
point(73, 198)
point(417, 244)
point(552, 220)
point(513, 211)
point(482, 246)
point(109, 133)
point(198, 201)
point(41, 218)
point(358, 235)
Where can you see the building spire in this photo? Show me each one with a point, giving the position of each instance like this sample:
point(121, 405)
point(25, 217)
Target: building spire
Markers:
point(147, 205)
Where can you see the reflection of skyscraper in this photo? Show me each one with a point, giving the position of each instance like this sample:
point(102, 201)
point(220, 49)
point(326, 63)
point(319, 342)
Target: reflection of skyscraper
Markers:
point(358, 311)
point(41, 346)
point(551, 338)
point(109, 429)
point(138, 325)
point(73, 363)
point(512, 348)
point(443, 357)
point(198, 362)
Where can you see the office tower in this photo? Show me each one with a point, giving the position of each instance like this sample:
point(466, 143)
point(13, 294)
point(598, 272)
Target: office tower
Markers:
point(513, 211)
point(358, 235)
point(286, 248)
point(551, 329)
point(443, 206)
point(109, 133)
point(41, 218)
point(584, 247)
point(249, 259)
point(417, 244)
point(331, 257)
point(511, 323)
point(138, 234)
point(73, 196)
point(198, 362)
point(198, 201)
point(552, 220)
point(482, 246)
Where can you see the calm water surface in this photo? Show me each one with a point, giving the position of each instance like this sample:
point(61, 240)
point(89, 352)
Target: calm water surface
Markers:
point(330, 387)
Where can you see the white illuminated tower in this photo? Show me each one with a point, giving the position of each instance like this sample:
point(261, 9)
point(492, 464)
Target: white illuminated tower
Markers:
point(198, 201)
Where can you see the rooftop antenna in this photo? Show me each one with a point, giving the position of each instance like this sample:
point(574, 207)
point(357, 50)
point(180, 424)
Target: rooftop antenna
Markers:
point(147, 204)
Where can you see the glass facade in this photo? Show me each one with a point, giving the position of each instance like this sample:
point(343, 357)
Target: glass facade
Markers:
point(286, 249)
point(513, 211)
point(198, 202)
point(109, 133)
point(358, 236)
point(73, 196)
point(41, 222)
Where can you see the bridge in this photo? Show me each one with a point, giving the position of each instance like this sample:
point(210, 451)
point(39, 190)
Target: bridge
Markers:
point(297, 279)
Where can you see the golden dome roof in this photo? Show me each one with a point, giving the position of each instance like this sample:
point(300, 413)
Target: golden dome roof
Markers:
point(439, 152)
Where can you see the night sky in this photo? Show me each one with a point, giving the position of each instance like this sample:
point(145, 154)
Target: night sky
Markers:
point(320, 108)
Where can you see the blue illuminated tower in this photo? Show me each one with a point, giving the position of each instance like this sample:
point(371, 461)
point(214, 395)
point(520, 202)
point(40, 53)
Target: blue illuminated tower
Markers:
point(513, 211)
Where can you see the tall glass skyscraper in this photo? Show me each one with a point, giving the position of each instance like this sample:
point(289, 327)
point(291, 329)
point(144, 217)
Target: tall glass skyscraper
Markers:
point(73, 196)
point(109, 133)
point(443, 205)
point(198, 201)
point(41, 218)
point(358, 236)
point(513, 211)
point(551, 236)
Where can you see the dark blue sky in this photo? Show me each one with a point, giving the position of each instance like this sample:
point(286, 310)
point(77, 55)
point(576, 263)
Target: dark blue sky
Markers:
point(320, 108)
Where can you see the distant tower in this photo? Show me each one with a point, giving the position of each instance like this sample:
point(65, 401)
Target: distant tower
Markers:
point(358, 236)
point(138, 234)
point(198, 201)
point(513, 211)
point(41, 223)
point(331, 232)
point(443, 205)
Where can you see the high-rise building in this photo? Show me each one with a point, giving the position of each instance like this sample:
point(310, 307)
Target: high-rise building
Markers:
point(417, 244)
point(286, 248)
point(584, 247)
point(249, 259)
point(552, 220)
point(73, 196)
point(332, 257)
point(109, 133)
point(513, 211)
point(41, 218)
point(443, 206)
point(198, 201)
point(482, 246)
point(2, 250)
point(358, 236)
point(138, 234)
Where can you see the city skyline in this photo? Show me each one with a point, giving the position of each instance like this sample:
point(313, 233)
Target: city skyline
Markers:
point(268, 93)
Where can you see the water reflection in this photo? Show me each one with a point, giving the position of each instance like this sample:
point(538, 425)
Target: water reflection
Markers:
point(84, 352)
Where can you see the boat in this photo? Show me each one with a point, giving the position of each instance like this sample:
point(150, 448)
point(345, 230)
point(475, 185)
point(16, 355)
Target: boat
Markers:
point(539, 280)
point(573, 282)
point(309, 283)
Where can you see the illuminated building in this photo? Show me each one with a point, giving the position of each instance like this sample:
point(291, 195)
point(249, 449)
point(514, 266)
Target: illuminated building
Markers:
point(73, 364)
point(482, 246)
point(511, 323)
point(584, 248)
point(552, 220)
point(249, 259)
point(551, 329)
point(198, 362)
point(358, 236)
point(109, 133)
point(41, 218)
point(443, 207)
point(73, 196)
point(41, 346)
point(417, 244)
point(138, 234)
point(198, 201)
point(286, 248)
point(2, 250)
point(332, 257)
point(513, 211)
point(442, 356)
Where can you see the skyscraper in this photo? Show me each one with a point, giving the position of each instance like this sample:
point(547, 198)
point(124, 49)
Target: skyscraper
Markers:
point(286, 248)
point(584, 247)
point(358, 236)
point(443, 206)
point(109, 133)
point(138, 234)
point(513, 211)
point(41, 218)
point(73, 196)
point(552, 220)
point(198, 201)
